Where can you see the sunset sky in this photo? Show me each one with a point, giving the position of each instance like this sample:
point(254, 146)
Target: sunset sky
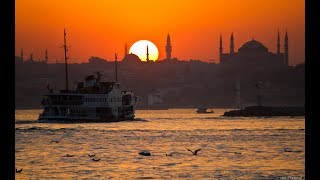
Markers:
point(102, 27)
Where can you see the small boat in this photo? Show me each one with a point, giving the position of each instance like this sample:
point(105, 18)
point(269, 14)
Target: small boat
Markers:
point(204, 111)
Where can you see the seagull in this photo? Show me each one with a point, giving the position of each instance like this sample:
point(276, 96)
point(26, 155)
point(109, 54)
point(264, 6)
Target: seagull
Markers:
point(68, 155)
point(287, 150)
point(290, 150)
point(93, 159)
point(54, 141)
point(195, 152)
point(92, 155)
point(18, 171)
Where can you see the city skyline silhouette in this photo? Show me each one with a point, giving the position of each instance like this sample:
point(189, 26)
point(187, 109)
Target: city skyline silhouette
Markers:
point(101, 29)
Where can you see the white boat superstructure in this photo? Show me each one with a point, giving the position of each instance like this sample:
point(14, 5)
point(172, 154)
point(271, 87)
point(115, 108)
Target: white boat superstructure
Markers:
point(91, 100)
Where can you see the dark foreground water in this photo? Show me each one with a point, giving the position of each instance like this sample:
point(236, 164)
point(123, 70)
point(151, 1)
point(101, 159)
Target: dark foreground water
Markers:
point(231, 148)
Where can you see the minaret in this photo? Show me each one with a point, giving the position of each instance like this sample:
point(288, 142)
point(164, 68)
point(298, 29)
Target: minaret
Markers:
point(21, 54)
point(286, 53)
point(220, 48)
point(147, 54)
point(168, 48)
point(31, 57)
point(125, 50)
point(278, 44)
point(116, 66)
point(231, 44)
point(46, 57)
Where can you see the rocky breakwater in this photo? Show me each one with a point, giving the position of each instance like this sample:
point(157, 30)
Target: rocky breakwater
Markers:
point(266, 111)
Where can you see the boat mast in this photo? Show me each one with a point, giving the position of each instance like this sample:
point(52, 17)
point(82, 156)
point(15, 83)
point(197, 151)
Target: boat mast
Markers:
point(116, 67)
point(65, 58)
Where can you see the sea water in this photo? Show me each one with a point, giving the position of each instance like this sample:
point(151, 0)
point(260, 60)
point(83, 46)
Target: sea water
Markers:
point(231, 147)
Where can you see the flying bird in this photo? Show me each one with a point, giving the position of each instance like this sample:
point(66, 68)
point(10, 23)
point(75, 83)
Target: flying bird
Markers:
point(18, 171)
point(195, 152)
point(91, 155)
point(169, 154)
point(287, 150)
point(68, 155)
point(237, 152)
point(93, 159)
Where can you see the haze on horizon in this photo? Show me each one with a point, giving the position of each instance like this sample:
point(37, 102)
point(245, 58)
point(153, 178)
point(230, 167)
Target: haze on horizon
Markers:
point(102, 28)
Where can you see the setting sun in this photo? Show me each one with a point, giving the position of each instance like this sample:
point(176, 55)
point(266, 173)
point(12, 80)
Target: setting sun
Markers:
point(139, 48)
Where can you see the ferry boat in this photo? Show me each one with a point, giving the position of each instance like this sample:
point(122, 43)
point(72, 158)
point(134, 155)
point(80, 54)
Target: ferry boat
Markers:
point(91, 100)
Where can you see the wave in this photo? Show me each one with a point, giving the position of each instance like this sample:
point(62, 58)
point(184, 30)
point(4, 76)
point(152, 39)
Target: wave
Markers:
point(124, 131)
point(46, 129)
point(186, 118)
point(26, 122)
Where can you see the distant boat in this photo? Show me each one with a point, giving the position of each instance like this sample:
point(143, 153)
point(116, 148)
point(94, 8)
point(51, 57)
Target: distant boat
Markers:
point(204, 111)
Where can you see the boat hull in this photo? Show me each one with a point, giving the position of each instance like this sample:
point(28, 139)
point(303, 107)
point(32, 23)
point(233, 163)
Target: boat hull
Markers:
point(66, 119)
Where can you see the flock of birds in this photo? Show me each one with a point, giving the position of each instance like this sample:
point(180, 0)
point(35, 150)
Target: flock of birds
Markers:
point(146, 153)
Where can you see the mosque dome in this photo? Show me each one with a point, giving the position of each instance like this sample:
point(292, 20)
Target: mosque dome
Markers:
point(131, 58)
point(253, 46)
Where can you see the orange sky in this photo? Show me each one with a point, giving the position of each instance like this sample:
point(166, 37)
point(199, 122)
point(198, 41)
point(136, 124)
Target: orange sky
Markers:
point(102, 27)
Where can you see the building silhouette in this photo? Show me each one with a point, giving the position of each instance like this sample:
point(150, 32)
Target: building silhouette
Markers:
point(131, 58)
point(20, 59)
point(168, 48)
point(254, 51)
